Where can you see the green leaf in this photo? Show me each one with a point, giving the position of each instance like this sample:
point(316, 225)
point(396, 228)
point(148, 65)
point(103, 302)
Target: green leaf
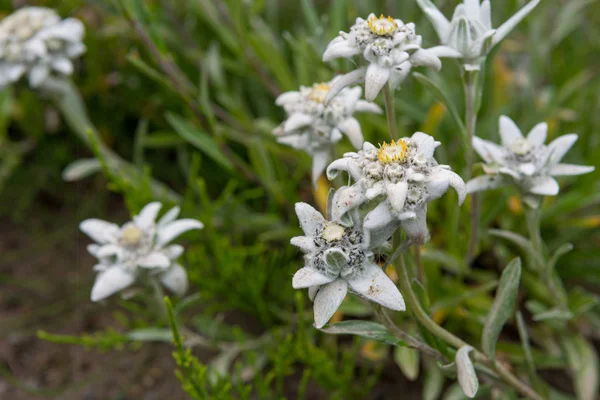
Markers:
point(554, 313)
point(467, 378)
point(502, 307)
point(198, 139)
point(558, 253)
point(522, 242)
point(583, 361)
point(366, 329)
point(151, 335)
point(81, 169)
point(434, 382)
point(408, 361)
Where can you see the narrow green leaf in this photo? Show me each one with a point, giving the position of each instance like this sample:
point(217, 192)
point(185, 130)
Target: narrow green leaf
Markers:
point(434, 382)
point(408, 361)
point(583, 361)
point(558, 253)
point(366, 329)
point(81, 169)
point(502, 307)
point(554, 313)
point(522, 242)
point(151, 335)
point(198, 139)
point(467, 378)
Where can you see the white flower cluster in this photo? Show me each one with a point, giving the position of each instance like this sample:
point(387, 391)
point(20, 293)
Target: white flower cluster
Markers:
point(403, 177)
point(469, 35)
point(390, 47)
point(337, 259)
point(138, 251)
point(525, 162)
point(315, 127)
point(36, 43)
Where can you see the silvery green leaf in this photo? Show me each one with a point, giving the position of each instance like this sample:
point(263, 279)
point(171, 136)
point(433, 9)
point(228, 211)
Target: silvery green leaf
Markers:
point(434, 382)
point(522, 242)
point(408, 361)
point(583, 362)
point(525, 342)
point(366, 329)
point(81, 169)
point(219, 365)
point(554, 313)
point(467, 378)
point(502, 307)
point(558, 253)
point(151, 335)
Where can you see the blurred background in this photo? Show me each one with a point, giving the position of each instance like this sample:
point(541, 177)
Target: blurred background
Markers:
point(185, 89)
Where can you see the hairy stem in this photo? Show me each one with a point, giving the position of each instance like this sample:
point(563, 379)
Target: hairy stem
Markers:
point(390, 112)
point(429, 324)
point(410, 341)
point(471, 93)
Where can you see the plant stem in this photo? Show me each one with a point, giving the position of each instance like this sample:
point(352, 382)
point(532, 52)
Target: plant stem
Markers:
point(471, 94)
point(420, 269)
point(159, 298)
point(409, 340)
point(429, 324)
point(390, 112)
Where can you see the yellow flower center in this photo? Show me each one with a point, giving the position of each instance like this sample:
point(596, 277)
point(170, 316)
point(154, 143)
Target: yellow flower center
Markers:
point(382, 26)
point(319, 92)
point(131, 235)
point(395, 151)
point(333, 232)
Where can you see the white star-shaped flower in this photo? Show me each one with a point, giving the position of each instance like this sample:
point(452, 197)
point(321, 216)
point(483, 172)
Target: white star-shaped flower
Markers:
point(138, 250)
point(525, 162)
point(35, 42)
point(403, 177)
point(315, 127)
point(469, 36)
point(337, 260)
point(390, 47)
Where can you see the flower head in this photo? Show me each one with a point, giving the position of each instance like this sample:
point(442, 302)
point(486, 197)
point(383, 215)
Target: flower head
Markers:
point(525, 162)
point(138, 250)
point(469, 35)
point(34, 41)
point(403, 177)
point(390, 47)
point(336, 260)
point(315, 127)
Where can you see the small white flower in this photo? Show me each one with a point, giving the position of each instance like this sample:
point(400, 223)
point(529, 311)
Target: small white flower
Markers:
point(137, 250)
point(315, 127)
point(390, 47)
point(469, 36)
point(525, 162)
point(403, 177)
point(34, 41)
point(337, 260)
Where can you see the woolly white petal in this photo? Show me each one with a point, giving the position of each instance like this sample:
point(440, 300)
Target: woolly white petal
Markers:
point(169, 217)
point(147, 216)
point(100, 231)
point(416, 228)
point(304, 243)
point(438, 20)
point(344, 164)
point(559, 147)
point(396, 193)
point(527, 169)
point(156, 259)
point(38, 74)
point(108, 250)
point(320, 159)
point(345, 199)
point(328, 300)
point(310, 219)
point(173, 251)
point(486, 14)
point(537, 136)
point(175, 279)
point(307, 277)
point(351, 128)
point(288, 97)
point(63, 65)
point(424, 57)
point(340, 48)
point(399, 74)
point(173, 229)
point(545, 186)
point(444, 52)
point(312, 292)
point(472, 9)
point(490, 152)
point(513, 21)
point(425, 144)
point(379, 225)
point(375, 285)
point(485, 182)
point(440, 182)
point(509, 131)
point(375, 79)
point(110, 281)
point(367, 106)
point(296, 121)
point(351, 78)
point(570, 169)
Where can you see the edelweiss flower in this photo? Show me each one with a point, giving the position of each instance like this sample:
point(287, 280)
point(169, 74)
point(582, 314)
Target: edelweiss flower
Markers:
point(315, 127)
point(389, 46)
point(34, 41)
point(524, 162)
point(404, 175)
point(138, 250)
point(337, 260)
point(469, 35)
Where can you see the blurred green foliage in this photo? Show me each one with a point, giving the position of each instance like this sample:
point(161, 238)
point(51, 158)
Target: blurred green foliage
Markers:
point(185, 90)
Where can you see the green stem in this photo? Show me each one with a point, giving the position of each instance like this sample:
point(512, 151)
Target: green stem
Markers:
point(429, 324)
point(73, 109)
point(159, 298)
point(390, 112)
point(471, 92)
